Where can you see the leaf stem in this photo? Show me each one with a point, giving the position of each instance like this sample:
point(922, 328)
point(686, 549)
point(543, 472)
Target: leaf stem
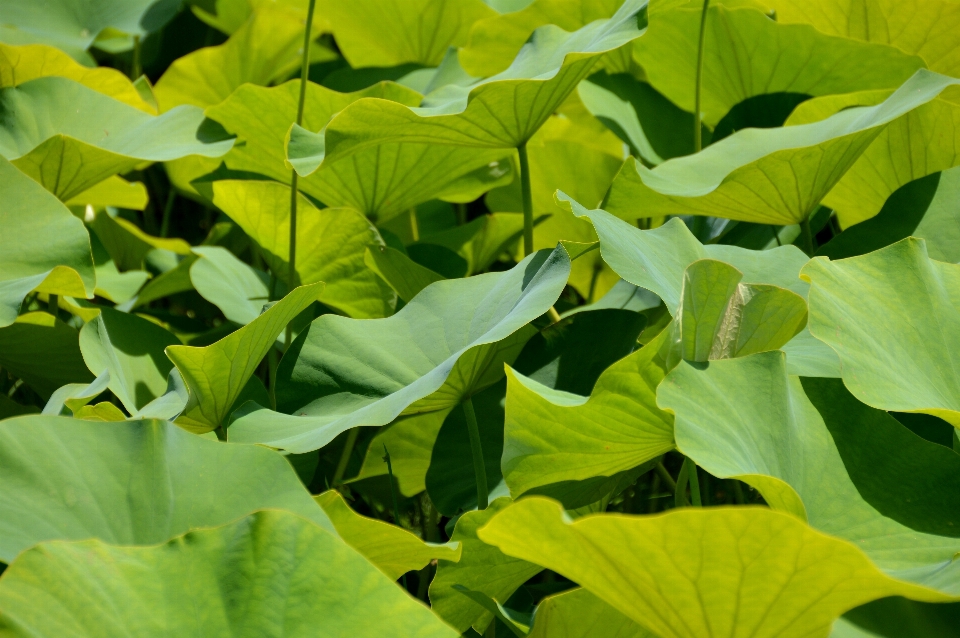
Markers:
point(345, 456)
point(478, 466)
point(527, 200)
point(414, 226)
point(167, 212)
point(698, 90)
point(136, 69)
point(666, 478)
point(393, 489)
point(806, 237)
point(688, 474)
point(461, 214)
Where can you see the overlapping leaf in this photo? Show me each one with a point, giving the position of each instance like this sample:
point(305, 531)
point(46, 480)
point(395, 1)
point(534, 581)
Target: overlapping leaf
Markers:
point(42, 351)
point(577, 613)
point(315, 583)
point(344, 373)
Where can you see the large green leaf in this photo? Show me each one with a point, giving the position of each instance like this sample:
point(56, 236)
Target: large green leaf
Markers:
point(922, 142)
point(747, 54)
point(552, 436)
point(394, 550)
point(404, 31)
point(447, 343)
point(68, 137)
point(331, 243)
point(769, 176)
point(746, 418)
point(893, 316)
point(380, 182)
point(401, 273)
point(131, 483)
point(73, 25)
point(576, 613)
point(925, 208)
point(269, 574)
point(502, 111)
point(921, 27)
point(237, 289)
point(216, 374)
point(482, 568)
point(483, 240)
point(131, 349)
point(49, 250)
point(702, 572)
point(42, 351)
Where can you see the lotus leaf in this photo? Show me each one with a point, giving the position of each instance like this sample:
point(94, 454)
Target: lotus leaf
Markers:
point(393, 550)
point(68, 149)
point(238, 290)
point(856, 305)
point(716, 581)
point(404, 275)
point(769, 176)
point(577, 613)
point(269, 573)
point(331, 243)
point(142, 483)
point(216, 374)
point(778, 442)
point(43, 351)
point(113, 191)
point(50, 251)
point(344, 373)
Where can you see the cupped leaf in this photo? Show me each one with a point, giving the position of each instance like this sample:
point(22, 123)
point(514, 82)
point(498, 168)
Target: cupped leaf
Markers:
point(922, 142)
point(331, 243)
point(576, 613)
point(893, 317)
point(237, 289)
point(702, 572)
point(131, 349)
point(68, 137)
point(405, 31)
point(43, 351)
point(394, 550)
point(747, 418)
point(924, 28)
point(747, 54)
point(271, 573)
point(447, 343)
point(113, 191)
point(216, 374)
point(924, 208)
point(131, 483)
point(769, 176)
point(502, 111)
point(24, 63)
point(482, 568)
point(552, 437)
point(73, 25)
point(49, 251)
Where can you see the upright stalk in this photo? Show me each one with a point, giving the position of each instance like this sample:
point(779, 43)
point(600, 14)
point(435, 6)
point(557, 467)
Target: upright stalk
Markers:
point(393, 490)
point(136, 71)
point(304, 71)
point(345, 456)
point(697, 141)
point(414, 226)
point(478, 467)
point(527, 200)
point(806, 237)
point(167, 212)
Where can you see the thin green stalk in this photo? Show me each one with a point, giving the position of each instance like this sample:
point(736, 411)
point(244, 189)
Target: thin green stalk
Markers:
point(478, 467)
point(461, 214)
point(393, 490)
point(345, 456)
point(167, 212)
point(136, 71)
point(666, 478)
point(221, 433)
point(697, 140)
point(527, 200)
point(806, 238)
point(737, 492)
point(593, 283)
point(304, 72)
point(414, 226)
point(776, 235)
point(688, 474)
point(654, 488)
point(53, 305)
point(273, 361)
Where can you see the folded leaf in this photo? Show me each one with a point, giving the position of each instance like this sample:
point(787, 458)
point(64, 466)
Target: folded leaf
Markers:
point(69, 137)
point(447, 343)
point(271, 573)
point(139, 482)
point(405, 31)
point(746, 418)
point(394, 550)
point(482, 568)
point(331, 243)
point(216, 374)
point(576, 613)
point(747, 54)
point(401, 273)
point(237, 289)
point(893, 317)
point(768, 176)
point(502, 111)
point(113, 191)
point(702, 572)
point(131, 349)
point(483, 240)
point(44, 247)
